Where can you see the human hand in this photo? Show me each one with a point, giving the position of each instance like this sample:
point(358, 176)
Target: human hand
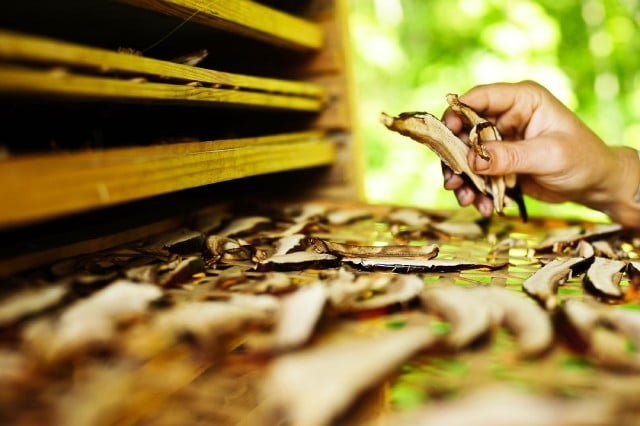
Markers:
point(557, 157)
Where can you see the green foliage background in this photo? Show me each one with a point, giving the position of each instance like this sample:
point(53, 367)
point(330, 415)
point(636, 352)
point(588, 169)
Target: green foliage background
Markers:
point(410, 53)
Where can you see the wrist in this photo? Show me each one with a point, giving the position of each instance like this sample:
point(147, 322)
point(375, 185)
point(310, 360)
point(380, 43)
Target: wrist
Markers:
point(618, 192)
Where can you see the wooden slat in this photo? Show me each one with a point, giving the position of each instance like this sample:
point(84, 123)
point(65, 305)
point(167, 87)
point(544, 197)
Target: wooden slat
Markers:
point(25, 81)
point(49, 185)
point(23, 262)
point(27, 48)
point(244, 17)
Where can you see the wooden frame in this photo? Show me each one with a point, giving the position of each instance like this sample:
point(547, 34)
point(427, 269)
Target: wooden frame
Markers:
point(243, 17)
point(51, 185)
point(42, 50)
point(310, 94)
point(25, 81)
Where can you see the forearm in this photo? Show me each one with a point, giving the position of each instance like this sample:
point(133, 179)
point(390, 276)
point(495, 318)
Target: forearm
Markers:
point(618, 198)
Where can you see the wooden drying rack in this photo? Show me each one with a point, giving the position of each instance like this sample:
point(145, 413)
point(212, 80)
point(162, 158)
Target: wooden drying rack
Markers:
point(304, 90)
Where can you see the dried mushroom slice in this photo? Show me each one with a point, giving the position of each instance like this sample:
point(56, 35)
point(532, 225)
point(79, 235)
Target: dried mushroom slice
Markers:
point(383, 290)
point(286, 245)
point(305, 228)
point(298, 315)
point(345, 217)
point(603, 278)
point(604, 249)
point(558, 243)
point(459, 229)
point(625, 321)
point(410, 217)
point(584, 249)
point(526, 320)
point(543, 284)
point(508, 405)
point(307, 212)
point(470, 318)
point(604, 346)
point(30, 301)
point(633, 272)
point(244, 225)
point(351, 250)
point(411, 265)
point(186, 242)
point(182, 271)
point(205, 322)
point(272, 282)
point(297, 261)
point(91, 322)
point(219, 248)
point(502, 187)
point(313, 386)
point(428, 130)
point(506, 244)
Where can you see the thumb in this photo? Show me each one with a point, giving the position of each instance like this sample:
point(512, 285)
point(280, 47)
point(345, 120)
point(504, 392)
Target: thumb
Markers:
point(531, 156)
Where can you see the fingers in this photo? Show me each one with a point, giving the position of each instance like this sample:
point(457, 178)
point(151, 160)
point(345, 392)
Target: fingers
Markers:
point(451, 180)
point(532, 156)
point(465, 195)
point(497, 98)
point(484, 204)
point(452, 121)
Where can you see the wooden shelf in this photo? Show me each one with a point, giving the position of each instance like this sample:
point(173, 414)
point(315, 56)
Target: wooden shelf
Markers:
point(244, 17)
point(36, 187)
point(27, 81)
point(27, 48)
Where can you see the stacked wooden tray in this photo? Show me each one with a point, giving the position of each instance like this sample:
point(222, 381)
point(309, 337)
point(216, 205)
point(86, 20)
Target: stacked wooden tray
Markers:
point(283, 115)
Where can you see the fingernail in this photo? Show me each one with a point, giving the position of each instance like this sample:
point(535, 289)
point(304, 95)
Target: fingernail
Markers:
point(463, 196)
point(447, 174)
point(485, 209)
point(480, 163)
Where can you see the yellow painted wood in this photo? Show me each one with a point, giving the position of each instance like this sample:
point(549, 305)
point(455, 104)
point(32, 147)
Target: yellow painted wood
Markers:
point(27, 48)
point(245, 17)
point(17, 80)
point(46, 186)
point(356, 167)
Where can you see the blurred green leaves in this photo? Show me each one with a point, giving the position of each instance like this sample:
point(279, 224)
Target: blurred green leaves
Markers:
point(411, 53)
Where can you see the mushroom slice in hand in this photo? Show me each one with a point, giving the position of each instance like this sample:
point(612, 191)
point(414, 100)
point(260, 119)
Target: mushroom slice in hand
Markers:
point(428, 130)
point(469, 316)
point(351, 250)
point(603, 278)
point(484, 131)
point(543, 284)
point(411, 265)
point(313, 386)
